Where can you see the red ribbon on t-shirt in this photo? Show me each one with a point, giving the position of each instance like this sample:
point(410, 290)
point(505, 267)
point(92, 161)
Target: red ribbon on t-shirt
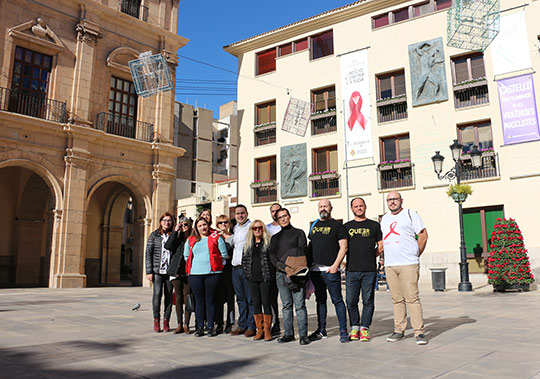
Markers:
point(392, 230)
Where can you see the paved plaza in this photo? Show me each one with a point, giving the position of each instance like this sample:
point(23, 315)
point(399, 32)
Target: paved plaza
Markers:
point(93, 333)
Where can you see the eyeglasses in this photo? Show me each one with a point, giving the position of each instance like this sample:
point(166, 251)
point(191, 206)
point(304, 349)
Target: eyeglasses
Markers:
point(223, 222)
point(393, 199)
point(282, 217)
point(257, 228)
point(166, 220)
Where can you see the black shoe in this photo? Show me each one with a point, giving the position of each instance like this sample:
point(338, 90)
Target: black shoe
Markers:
point(199, 332)
point(276, 330)
point(318, 335)
point(228, 329)
point(219, 329)
point(212, 332)
point(285, 339)
point(304, 341)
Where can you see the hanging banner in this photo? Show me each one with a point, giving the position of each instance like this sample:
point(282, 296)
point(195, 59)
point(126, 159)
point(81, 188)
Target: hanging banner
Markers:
point(510, 49)
point(297, 117)
point(518, 109)
point(355, 92)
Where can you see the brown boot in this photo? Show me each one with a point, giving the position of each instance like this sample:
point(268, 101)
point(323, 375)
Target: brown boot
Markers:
point(179, 329)
point(267, 327)
point(157, 328)
point(166, 327)
point(259, 323)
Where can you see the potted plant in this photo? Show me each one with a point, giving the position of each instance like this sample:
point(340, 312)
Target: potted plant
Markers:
point(508, 265)
point(315, 176)
point(256, 184)
point(329, 174)
point(459, 192)
point(489, 152)
point(402, 163)
point(385, 165)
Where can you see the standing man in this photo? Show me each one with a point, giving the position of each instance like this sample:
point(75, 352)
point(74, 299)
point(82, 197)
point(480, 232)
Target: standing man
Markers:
point(246, 323)
point(365, 244)
point(273, 228)
point(327, 248)
point(405, 238)
point(289, 241)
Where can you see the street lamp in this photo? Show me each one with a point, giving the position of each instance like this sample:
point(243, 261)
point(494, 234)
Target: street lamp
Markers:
point(455, 173)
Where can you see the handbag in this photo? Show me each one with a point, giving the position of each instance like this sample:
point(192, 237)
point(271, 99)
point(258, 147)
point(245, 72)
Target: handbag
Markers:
point(190, 304)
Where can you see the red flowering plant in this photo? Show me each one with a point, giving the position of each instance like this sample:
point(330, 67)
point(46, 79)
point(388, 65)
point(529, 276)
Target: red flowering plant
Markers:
point(508, 262)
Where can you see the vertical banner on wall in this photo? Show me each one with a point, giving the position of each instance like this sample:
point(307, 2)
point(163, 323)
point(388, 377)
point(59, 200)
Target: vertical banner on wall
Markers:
point(510, 49)
point(518, 109)
point(355, 92)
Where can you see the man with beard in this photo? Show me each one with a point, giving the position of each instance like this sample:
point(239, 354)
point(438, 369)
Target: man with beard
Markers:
point(365, 244)
point(404, 238)
point(326, 250)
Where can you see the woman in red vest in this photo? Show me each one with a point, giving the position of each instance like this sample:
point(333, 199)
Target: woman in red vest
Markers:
point(204, 254)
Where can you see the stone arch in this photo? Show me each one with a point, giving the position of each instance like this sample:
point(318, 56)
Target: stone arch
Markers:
point(119, 58)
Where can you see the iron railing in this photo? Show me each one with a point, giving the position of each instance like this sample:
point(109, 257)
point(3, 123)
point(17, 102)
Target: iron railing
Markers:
point(264, 137)
point(392, 112)
point(134, 9)
point(325, 187)
point(471, 96)
point(17, 101)
point(125, 126)
point(489, 168)
point(265, 194)
point(396, 177)
point(323, 125)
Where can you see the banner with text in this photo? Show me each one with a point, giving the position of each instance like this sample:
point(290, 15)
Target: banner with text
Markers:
point(355, 92)
point(518, 109)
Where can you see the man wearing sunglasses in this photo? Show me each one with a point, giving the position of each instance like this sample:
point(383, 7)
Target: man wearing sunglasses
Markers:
point(404, 240)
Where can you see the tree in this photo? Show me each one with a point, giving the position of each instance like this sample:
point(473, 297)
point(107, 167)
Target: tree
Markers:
point(508, 263)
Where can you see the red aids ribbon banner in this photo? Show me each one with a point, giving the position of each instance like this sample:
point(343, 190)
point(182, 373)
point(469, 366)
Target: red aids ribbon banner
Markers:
point(355, 104)
point(392, 230)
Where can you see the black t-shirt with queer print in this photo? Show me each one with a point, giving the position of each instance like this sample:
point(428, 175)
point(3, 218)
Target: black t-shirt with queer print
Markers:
point(363, 238)
point(324, 245)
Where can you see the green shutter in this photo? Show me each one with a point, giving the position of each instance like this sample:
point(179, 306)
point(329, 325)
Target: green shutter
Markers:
point(473, 230)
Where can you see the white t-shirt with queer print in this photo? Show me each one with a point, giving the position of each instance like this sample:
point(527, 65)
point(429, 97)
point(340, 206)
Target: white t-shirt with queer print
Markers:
point(399, 237)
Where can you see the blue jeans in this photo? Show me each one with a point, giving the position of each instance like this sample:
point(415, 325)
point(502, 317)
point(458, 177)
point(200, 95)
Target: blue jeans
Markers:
point(323, 281)
point(287, 299)
point(204, 288)
point(365, 281)
point(243, 299)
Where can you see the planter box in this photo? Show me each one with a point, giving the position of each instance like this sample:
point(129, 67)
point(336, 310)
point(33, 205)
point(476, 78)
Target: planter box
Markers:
point(323, 115)
point(488, 153)
point(314, 177)
point(391, 101)
point(402, 165)
point(263, 128)
point(329, 176)
point(510, 287)
point(461, 87)
point(386, 167)
point(256, 185)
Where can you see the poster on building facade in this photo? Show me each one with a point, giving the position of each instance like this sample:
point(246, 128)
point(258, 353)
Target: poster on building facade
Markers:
point(355, 92)
point(510, 49)
point(297, 117)
point(293, 170)
point(519, 114)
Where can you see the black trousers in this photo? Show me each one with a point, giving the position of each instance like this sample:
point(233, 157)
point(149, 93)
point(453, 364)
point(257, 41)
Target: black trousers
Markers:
point(162, 287)
point(204, 287)
point(225, 295)
point(261, 295)
point(181, 293)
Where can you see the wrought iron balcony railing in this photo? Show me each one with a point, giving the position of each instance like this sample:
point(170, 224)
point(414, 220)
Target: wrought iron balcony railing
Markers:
point(323, 125)
point(125, 126)
point(391, 110)
point(265, 136)
point(325, 187)
point(134, 9)
point(265, 194)
point(489, 168)
point(396, 177)
point(471, 95)
point(17, 101)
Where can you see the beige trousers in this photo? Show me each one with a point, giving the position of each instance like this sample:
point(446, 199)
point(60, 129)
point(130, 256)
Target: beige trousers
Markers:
point(403, 282)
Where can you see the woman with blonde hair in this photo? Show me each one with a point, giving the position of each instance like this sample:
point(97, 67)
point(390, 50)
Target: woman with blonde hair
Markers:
point(260, 273)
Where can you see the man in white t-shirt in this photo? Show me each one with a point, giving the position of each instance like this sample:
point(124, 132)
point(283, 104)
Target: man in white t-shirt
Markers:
point(404, 239)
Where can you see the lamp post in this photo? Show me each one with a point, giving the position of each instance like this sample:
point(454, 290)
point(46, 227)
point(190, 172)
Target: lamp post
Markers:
point(455, 173)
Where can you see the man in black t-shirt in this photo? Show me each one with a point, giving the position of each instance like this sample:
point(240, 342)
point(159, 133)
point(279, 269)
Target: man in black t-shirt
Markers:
point(326, 250)
point(365, 244)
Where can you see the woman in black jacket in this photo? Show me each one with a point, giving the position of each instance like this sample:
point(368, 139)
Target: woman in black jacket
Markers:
point(260, 273)
point(177, 272)
point(157, 263)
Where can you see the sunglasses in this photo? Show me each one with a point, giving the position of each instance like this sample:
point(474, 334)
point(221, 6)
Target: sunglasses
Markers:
point(257, 228)
point(184, 225)
point(223, 222)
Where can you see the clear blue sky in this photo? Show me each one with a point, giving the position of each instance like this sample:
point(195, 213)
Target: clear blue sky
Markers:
point(212, 24)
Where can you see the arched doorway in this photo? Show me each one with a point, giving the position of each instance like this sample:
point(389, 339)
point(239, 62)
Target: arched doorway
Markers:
point(114, 246)
point(26, 224)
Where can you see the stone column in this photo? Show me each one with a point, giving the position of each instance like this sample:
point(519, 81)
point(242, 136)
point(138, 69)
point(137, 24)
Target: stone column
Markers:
point(114, 254)
point(142, 229)
point(55, 240)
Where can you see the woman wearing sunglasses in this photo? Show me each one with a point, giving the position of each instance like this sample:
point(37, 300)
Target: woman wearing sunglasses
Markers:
point(204, 253)
point(225, 290)
point(177, 272)
point(259, 273)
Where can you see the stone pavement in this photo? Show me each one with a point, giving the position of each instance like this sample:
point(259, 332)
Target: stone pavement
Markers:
point(92, 332)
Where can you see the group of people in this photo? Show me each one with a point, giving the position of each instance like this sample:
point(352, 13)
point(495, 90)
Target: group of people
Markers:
point(256, 262)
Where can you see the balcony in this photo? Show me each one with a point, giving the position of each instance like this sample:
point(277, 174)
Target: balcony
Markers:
point(16, 101)
point(264, 191)
point(134, 9)
point(125, 126)
point(489, 168)
point(265, 134)
point(391, 109)
point(325, 187)
point(323, 123)
point(395, 176)
point(471, 94)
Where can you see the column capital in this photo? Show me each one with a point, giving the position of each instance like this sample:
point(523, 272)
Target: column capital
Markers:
point(88, 32)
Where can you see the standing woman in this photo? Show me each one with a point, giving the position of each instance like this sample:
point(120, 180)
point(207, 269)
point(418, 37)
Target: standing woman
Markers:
point(157, 263)
point(260, 273)
point(204, 254)
point(177, 272)
point(226, 289)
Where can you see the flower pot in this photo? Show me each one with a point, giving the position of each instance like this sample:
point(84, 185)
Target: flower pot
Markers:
point(505, 287)
point(256, 185)
point(402, 165)
point(459, 197)
point(314, 177)
point(386, 167)
point(329, 176)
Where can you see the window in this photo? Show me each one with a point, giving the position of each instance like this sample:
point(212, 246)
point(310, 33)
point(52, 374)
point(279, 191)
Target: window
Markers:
point(266, 61)
point(381, 20)
point(265, 168)
point(390, 85)
point(415, 10)
point(285, 49)
point(134, 8)
point(475, 134)
point(325, 159)
point(323, 99)
point(401, 14)
point(122, 108)
point(301, 44)
point(322, 44)
point(396, 147)
point(31, 71)
point(442, 4)
point(469, 77)
point(422, 9)
point(467, 68)
point(265, 113)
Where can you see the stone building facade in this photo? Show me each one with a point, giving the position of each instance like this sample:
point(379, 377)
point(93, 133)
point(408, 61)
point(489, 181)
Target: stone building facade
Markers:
point(86, 166)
